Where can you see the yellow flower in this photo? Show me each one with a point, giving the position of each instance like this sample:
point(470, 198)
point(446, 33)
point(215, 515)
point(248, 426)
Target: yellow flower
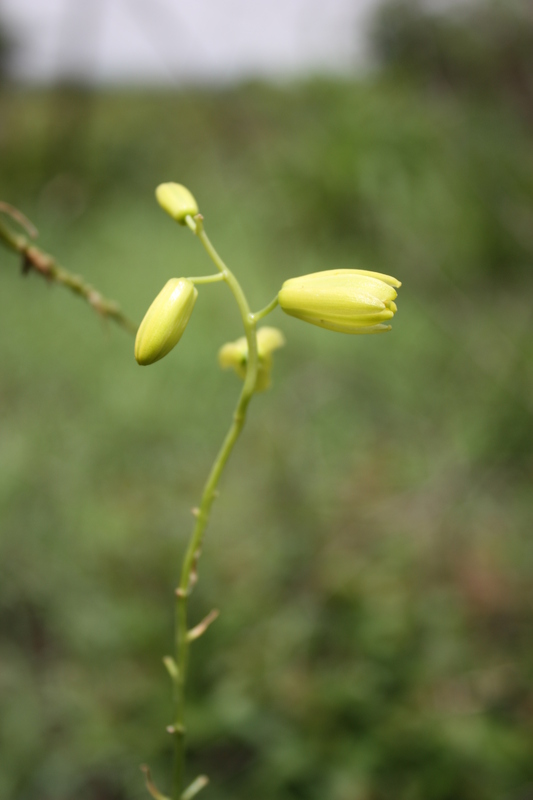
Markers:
point(176, 200)
point(344, 300)
point(235, 354)
point(165, 321)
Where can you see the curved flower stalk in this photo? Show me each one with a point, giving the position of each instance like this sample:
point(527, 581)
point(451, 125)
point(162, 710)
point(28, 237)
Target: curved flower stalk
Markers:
point(348, 301)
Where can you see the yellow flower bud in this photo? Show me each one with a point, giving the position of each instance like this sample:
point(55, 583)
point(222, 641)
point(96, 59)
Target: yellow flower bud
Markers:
point(343, 300)
point(165, 321)
point(235, 355)
point(268, 340)
point(176, 200)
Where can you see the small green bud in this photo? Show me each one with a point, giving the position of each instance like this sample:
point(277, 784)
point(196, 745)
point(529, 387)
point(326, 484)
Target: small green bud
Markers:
point(165, 321)
point(177, 201)
point(235, 355)
point(343, 300)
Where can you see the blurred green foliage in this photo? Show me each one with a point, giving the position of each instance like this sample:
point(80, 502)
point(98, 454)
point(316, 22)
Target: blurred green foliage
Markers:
point(483, 47)
point(371, 550)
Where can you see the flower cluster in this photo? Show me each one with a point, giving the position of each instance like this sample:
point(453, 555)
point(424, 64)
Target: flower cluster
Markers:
point(352, 301)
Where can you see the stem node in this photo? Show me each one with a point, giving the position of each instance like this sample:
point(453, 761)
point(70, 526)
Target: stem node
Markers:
point(178, 730)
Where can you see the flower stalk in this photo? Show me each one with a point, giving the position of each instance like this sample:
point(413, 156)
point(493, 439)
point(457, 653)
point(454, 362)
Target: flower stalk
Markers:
point(189, 568)
point(348, 301)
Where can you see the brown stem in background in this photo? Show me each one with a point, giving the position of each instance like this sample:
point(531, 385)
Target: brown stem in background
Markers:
point(33, 258)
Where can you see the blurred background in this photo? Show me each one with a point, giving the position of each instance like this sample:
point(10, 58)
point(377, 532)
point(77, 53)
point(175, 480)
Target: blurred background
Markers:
point(371, 549)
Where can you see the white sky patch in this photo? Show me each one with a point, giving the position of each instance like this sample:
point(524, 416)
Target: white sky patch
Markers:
point(171, 41)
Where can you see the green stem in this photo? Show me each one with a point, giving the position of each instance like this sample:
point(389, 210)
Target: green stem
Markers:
point(266, 310)
point(45, 265)
point(188, 571)
point(207, 278)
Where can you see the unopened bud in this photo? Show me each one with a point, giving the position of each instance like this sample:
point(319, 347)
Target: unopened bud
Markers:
point(165, 321)
point(235, 355)
point(343, 300)
point(177, 201)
